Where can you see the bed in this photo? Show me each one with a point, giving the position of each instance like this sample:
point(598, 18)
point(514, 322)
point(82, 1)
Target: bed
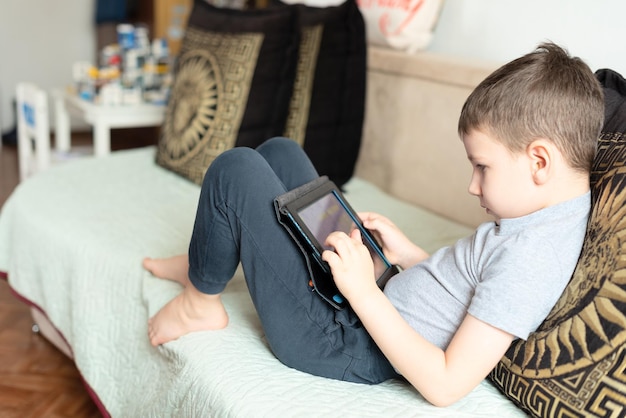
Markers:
point(99, 298)
point(72, 240)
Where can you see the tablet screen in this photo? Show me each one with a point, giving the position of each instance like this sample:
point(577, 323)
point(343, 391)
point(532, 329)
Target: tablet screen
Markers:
point(327, 215)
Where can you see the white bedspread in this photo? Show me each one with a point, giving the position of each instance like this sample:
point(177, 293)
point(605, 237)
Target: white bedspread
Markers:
point(72, 240)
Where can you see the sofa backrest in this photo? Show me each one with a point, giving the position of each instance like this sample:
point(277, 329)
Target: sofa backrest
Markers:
point(410, 147)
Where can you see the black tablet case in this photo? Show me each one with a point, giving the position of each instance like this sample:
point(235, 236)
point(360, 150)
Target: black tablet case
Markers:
point(321, 279)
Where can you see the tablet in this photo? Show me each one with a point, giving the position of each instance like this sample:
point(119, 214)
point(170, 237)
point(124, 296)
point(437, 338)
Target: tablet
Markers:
point(315, 211)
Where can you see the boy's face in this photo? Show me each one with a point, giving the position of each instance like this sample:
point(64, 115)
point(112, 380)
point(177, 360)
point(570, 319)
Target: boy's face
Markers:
point(502, 180)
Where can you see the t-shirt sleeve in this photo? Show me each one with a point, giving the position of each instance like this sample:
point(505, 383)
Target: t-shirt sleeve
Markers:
point(515, 293)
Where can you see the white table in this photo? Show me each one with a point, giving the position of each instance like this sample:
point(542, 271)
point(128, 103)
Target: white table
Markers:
point(102, 118)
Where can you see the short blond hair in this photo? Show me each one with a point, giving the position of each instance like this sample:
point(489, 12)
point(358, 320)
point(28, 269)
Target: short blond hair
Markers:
point(546, 93)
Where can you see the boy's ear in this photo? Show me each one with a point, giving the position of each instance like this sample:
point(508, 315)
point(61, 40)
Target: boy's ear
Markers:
point(540, 152)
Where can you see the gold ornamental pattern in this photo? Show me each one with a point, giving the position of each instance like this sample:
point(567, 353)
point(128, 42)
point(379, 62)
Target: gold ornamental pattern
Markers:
point(208, 99)
point(298, 117)
point(193, 106)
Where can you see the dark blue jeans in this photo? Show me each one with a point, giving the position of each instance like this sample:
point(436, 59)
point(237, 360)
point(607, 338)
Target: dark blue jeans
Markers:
point(236, 222)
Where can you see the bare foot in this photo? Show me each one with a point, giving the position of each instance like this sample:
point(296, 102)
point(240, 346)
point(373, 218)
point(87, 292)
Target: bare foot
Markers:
point(174, 268)
point(190, 311)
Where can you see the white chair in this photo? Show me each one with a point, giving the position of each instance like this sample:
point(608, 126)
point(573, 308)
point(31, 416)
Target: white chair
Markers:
point(33, 134)
point(33, 130)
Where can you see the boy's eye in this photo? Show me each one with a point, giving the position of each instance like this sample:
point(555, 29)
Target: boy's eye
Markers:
point(479, 167)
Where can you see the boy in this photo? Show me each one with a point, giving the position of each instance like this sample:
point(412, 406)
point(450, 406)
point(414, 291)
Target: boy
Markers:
point(530, 132)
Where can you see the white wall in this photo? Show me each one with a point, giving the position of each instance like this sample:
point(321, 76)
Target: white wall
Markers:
point(39, 41)
point(501, 30)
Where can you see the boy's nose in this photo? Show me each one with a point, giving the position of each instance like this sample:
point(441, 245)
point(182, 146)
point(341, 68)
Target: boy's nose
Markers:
point(473, 188)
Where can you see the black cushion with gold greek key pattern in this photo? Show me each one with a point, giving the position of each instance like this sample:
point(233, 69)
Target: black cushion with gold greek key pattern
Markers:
point(232, 84)
point(244, 76)
point(574, 365)
point(328, 102)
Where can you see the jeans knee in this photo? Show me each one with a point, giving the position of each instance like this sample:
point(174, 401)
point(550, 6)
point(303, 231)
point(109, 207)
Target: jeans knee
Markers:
point(230, 163)
point(235, 159)
point(278, 144)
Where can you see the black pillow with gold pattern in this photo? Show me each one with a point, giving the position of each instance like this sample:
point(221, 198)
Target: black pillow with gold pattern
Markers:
point(328, 103)
point(232, 84)
point(574, 365)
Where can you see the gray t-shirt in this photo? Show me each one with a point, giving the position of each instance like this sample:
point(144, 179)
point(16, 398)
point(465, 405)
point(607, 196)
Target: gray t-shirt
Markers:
point(508, 275)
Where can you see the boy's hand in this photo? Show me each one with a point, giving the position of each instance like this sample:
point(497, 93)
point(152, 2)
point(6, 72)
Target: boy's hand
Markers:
point(397, 247)
point(351, 264)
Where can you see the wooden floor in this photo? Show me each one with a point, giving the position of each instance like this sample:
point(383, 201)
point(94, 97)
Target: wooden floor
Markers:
point(36, 379)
